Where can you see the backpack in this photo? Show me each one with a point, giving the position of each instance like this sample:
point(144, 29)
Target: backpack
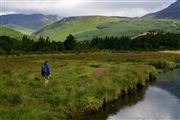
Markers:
point(44, 69)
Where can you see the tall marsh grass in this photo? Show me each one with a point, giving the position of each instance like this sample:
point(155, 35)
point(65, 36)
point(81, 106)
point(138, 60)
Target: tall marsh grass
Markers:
point(77, 85)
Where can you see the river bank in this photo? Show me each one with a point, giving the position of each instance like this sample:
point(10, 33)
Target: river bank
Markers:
point(79, 84)
point(159, 100)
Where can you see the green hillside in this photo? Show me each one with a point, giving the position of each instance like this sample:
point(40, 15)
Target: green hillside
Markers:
point(21, 29)
point(131, 27)
point(85, 28)
point(5, 31)
point(74, 25)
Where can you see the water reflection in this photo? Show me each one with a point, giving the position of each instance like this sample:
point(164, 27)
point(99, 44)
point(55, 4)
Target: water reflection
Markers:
point(113, 108)
point(170, 82)
point(157, 105)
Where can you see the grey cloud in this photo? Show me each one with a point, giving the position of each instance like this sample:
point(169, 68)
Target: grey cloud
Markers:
point(132, 8)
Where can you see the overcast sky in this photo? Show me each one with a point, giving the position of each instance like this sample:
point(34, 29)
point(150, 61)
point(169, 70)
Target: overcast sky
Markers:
point(130, 8)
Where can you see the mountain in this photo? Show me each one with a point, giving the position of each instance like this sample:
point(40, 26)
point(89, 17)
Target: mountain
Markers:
point(88, 27)
point(5, 31)
point(171, 12)
point(74, 25)
point(27, 23)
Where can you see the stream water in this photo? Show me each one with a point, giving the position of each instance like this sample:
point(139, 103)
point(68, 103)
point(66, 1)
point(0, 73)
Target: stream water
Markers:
point(159, 101)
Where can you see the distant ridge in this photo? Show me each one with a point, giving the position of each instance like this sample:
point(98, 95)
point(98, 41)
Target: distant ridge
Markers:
point(171, 12)
point(27, 23)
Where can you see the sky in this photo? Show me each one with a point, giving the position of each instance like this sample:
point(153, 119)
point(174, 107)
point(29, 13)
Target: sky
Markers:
point(65, 8)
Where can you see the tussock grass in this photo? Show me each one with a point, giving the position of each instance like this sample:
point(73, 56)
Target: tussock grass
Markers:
point(78, 83)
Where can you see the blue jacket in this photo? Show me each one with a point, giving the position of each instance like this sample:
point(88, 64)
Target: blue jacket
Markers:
point(45, 70)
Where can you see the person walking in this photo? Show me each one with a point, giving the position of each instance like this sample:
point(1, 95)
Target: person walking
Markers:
point(45, 72)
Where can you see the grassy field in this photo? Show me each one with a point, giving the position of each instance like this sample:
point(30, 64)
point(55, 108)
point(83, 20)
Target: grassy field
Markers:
point(86, 28)
point(5, 31)
point(79, 83)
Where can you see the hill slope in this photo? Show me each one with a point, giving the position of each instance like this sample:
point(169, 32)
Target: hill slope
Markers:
point(171, 12)
point(27, 23)
point(131, 27)
point(5, 31)
point(87, 27)
point(73, 25)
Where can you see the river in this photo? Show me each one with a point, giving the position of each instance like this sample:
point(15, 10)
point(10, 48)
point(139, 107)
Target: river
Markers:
point(159, 101)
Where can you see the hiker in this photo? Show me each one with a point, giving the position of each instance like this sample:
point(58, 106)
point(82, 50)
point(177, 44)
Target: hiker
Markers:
point(45, 72)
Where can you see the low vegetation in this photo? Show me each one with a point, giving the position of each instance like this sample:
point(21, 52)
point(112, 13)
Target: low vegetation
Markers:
point(163, 64)
point(79, 83)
